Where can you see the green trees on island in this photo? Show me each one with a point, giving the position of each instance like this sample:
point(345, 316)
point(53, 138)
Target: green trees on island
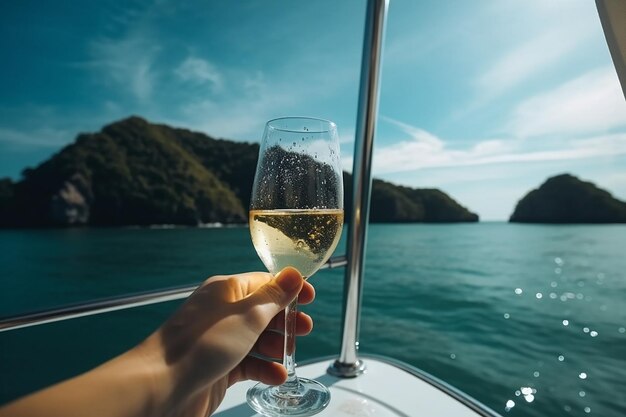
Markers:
point(134, 172)
point(567, 199)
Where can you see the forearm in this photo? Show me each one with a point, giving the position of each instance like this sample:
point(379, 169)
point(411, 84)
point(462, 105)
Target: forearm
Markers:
point(185, 367)
point(130, 385)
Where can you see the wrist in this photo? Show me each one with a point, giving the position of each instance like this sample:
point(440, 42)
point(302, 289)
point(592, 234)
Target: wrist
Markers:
point(153, 372)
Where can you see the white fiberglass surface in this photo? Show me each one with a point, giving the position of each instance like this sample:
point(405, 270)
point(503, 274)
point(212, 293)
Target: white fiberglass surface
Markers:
point(383, 391)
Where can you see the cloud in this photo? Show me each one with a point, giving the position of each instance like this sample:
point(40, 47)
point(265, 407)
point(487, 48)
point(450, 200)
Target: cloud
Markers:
point(425, 150)
point(528, 59)
point(426, 139)
point(44, 137)
point(127, 63)
point(199, 71)
point(591, 103)
point(614, 181)
point(235, 119)
point(346, 135)
point(248, 98)
point(241, 115)
point(528, 50)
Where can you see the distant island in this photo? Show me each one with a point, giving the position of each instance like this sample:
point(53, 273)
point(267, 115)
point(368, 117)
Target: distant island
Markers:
point(566, 199)
point(134, 172)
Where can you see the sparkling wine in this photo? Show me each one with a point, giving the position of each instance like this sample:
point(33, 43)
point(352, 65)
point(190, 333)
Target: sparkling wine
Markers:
point(303, 239)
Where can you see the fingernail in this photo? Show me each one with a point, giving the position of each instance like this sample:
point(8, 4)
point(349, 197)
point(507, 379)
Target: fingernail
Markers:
point(288, 279)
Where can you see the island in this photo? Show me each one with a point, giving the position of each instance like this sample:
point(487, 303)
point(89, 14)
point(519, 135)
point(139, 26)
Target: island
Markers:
point(134, 172)
point(567, 199)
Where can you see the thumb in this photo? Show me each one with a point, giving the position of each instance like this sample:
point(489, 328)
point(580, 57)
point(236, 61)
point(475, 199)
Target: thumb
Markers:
point(274, 296)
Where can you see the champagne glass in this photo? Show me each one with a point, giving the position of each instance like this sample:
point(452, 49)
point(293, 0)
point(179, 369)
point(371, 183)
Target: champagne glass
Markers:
point(296, 217)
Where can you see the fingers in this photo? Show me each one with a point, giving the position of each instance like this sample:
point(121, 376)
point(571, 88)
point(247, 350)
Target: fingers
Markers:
point(270, 373)
point(304, 323)
point(271, 343)
point(307, 294)
point(252, 281)
point(274, 296)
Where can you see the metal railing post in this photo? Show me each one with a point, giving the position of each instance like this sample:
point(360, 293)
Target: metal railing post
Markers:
point(348, 364)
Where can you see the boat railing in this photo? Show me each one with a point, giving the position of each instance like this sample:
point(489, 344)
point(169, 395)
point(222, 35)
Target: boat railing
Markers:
point(123, 302)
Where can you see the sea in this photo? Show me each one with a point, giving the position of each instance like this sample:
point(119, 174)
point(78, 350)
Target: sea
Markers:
point(528, 319)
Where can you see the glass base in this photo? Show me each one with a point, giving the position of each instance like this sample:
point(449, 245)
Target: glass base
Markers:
point(310, 398)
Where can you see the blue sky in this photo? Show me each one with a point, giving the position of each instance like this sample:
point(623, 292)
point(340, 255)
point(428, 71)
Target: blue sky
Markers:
point(483, 99)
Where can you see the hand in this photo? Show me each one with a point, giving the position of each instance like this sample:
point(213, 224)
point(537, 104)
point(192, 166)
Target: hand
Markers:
point(184, 368)
point(206, 345)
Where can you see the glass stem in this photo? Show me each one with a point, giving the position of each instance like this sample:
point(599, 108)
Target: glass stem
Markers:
point(289, 357)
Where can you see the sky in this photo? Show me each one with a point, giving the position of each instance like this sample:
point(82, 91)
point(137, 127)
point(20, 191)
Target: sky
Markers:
point(483, 99)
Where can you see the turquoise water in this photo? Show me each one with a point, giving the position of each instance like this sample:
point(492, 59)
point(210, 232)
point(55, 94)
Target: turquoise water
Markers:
point(530, 314)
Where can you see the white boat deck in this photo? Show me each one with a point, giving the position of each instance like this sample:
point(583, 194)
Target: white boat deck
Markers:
point(384, 390)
